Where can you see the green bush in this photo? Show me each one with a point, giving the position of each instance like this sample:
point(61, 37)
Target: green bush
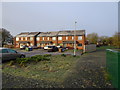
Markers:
point(64, 55)
point(11, 63)
point(36, 58)
point(47, 55)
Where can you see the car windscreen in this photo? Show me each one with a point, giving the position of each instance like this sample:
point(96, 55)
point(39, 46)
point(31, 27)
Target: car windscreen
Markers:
point(3, 51)
point(50, 46)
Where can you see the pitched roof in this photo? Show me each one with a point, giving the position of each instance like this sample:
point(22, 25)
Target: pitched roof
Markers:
point(27, 34)
point(55, 33)
point(48, 34)
point(71, 32)
point(62, 33)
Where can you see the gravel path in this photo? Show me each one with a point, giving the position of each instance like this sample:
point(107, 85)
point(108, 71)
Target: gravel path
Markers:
point(87, 73)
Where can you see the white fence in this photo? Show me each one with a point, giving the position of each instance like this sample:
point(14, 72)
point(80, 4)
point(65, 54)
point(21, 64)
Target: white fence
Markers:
point(89, 48)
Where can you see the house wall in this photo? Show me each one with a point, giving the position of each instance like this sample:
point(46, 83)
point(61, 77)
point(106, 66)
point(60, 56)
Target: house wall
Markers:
point(60, 42)
point(35, 42)
point(32, 42)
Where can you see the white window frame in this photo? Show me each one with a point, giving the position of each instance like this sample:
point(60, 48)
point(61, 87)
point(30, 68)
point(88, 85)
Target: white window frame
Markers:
point(38, 38)
point(43, 38)
point(72, 37)
point(17, 38)
point(38, 44)
point(25, 38)
point(48, 38)
point(79, 37)
point(31, 38)
point(31, 44)
point(66, 38)
point(21, 38)
point(59, 38)
point(53, 38)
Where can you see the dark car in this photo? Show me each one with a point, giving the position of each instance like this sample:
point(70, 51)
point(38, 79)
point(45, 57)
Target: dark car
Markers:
point(62, 48)
point(52, 49)
point(10, 54)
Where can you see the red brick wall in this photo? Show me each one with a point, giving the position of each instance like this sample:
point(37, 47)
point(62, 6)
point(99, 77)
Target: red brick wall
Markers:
point(17, 45)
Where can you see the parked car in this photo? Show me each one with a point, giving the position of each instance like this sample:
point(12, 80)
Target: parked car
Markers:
point(52, 49)
point(10, 54)
point(70, 47)
point(62, 48)
point(46, 47)
point(59, 47)
point(34, 47)
point(23, 47)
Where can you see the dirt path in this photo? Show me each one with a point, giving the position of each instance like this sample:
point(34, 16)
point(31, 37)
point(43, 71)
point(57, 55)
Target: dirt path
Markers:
point(88, 73)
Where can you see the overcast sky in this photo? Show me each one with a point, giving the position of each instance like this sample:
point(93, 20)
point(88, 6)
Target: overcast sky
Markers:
point(99, 17)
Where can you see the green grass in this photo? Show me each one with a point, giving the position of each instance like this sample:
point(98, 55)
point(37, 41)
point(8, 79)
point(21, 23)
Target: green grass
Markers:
point(106, 47)
point(56, 69)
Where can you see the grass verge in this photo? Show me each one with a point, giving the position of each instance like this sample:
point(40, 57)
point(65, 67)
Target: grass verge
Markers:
point(56, 69)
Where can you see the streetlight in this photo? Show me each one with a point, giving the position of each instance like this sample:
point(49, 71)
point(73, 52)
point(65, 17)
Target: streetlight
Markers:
point(75, 40)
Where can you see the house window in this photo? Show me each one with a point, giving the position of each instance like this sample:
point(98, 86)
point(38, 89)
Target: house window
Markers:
point(59, 38)
point(25, 38)
point(72, 37)
point(79, 37)
point(31, 44)
point(21, 38)
point(43, 38)
point(38, 44)
point(48, 38)
point(17, 38)
point(80, 44)
point(53, 38)
point(31, 38)
point(38, 38)
point(28, 38)
point(66, 38)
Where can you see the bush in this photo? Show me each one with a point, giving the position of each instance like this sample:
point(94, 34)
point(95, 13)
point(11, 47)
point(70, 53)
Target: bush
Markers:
point(11, 63)
point(47, 55)
point(64, 55)
point(37, 58)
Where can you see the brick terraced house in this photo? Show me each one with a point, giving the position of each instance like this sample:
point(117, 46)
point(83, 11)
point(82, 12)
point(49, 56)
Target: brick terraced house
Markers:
point(62, 38)
point(25, 38)
point(41, 39)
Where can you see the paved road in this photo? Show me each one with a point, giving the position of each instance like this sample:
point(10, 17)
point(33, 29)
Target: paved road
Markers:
point(41, 52)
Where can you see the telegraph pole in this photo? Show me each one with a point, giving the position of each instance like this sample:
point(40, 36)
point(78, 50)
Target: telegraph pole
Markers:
point(75, 40)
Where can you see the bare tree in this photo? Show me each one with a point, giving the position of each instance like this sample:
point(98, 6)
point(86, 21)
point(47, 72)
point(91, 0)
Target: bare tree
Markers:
point(116, 39)
point(92, 38)
point(5, 36)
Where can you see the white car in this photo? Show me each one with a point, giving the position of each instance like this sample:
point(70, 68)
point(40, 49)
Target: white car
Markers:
point(46, 47)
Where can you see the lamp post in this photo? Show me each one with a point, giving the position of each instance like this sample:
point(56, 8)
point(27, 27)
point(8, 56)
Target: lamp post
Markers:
point(75, 40)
